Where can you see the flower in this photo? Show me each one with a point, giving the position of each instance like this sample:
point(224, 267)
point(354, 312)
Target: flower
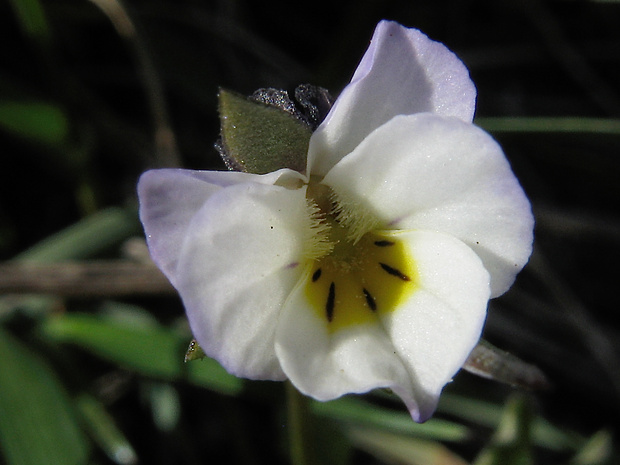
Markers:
point(374, 267)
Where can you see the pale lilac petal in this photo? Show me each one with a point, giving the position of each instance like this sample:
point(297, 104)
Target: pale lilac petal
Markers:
point(325, 366)
point(434, 330)
point(238, 262)
point(403, 72)
point(441, 174)
point(169, 199)
point(413, 349)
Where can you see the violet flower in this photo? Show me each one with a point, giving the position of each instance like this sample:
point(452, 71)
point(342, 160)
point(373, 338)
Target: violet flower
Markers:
point(371, 269)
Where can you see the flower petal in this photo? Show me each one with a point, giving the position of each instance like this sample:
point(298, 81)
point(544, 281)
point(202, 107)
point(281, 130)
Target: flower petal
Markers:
point(238, 262)
point(440, 174)
point(327, 365)
point(413, 349)
point(436, 328)
point(169, 199)
point(403, 72)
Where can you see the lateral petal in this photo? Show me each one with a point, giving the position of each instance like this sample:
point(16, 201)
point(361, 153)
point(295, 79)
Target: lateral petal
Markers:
point(169, 199)
point(238, 261)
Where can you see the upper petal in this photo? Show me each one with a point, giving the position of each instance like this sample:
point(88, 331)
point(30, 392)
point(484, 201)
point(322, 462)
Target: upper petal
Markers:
point(441, 174)
point(169, 199)
point(403, 72)
point(239, 260)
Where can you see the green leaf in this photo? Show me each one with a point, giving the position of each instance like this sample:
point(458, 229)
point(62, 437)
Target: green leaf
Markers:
point(404, 450)
point(102, 427)
point(511, 444)
point(152, 351)
point(34, 121)
point(165, 404)
point(354, 410)
point(31, 16)
point(37, 423)
point(87, 238)
point(489, 415)
point(572, 125)
point(260, 139)
point(597, 450)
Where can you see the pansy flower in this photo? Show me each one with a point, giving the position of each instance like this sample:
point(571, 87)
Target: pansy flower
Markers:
point(373, 267)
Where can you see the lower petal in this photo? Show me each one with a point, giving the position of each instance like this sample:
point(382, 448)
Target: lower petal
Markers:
point(412, 340)
point(327, 364)
point(435, 328)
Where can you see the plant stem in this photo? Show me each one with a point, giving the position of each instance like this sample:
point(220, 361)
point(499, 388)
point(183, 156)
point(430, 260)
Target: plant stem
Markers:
point(300, 427)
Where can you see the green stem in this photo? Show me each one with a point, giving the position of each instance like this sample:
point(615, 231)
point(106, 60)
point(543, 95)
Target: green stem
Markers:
point(300, 427)
point(576, 125)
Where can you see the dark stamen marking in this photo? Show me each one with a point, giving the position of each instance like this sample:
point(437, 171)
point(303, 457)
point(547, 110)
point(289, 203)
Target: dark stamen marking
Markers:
point(383, 243)
point(331, 302)
point(316, 275)
point(370, 300)
point(395, 272)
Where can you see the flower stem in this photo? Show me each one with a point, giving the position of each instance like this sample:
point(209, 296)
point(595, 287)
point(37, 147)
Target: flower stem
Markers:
point(300, 427)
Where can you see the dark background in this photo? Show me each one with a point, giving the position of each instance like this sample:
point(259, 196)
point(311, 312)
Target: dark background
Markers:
point(542, 62)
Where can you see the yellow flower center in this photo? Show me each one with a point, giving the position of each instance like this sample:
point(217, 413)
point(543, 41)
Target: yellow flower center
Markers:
point(362, 274)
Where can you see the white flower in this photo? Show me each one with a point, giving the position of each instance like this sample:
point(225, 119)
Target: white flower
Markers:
point(374, 267)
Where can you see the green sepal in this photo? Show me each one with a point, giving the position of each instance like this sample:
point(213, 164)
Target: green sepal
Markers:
point(488, 361)
point(194, 352)
point(257, 138)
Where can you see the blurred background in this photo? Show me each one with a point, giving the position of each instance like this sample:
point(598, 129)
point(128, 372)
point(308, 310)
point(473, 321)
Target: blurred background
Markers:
point(92, 93)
